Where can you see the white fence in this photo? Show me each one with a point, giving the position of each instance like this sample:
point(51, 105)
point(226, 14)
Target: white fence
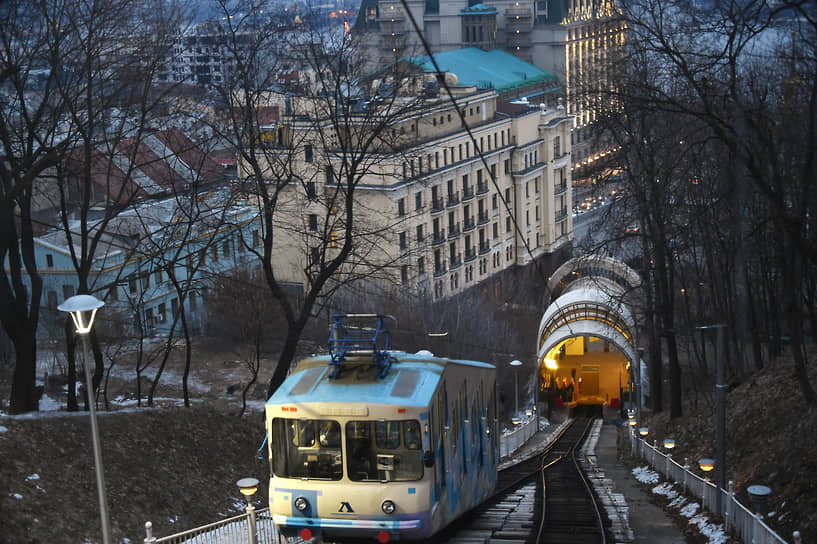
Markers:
point(235, 530)
point(749, 527)
point(514, 440)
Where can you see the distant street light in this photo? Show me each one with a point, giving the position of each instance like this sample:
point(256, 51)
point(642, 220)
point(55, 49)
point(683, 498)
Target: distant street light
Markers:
point(248, 487)
point(516, 364)
point(83, 310)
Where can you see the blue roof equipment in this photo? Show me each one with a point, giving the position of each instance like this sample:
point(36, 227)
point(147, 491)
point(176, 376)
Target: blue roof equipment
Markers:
point(356, 335)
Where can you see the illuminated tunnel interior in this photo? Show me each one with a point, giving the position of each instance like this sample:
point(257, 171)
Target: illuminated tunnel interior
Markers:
point(587, 335)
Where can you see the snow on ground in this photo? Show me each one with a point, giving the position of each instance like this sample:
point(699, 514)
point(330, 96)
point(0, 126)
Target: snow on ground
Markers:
point(687, 509)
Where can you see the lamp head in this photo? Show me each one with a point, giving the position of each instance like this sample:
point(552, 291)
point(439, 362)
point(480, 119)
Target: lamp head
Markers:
point(83, 311)
point(706, 464)
point(669, 443)
point(516, 363)
point(643, 431)
point(247, 486)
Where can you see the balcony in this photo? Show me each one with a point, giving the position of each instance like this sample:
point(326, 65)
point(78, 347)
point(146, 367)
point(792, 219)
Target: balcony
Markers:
point(440, 269)
point(483, 218)
point(437, 205)
point(561, 215)
point(470, 254)
point(468, 224)
point(560, 189)
point(482, 188)
point(456, 261)
point(438, 237)
point(453, 230)
point(467, 193)
point(453, 199)
point(484, 247)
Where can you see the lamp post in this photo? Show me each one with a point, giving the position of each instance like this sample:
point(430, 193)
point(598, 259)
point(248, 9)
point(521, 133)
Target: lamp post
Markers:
point(83, 311)
point(248, 487)
point(720, 415)
point(516, 364)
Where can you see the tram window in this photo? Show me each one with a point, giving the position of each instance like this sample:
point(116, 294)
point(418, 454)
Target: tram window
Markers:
point(387, 434)
point(306, 449)
point(391, 453)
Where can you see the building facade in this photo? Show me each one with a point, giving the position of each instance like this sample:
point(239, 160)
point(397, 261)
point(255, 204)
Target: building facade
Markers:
point(457, 208)
point(578, 40)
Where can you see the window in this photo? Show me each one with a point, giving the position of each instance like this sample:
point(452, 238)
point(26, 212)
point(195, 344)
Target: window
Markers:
point(256, 239)
point(404, 274)
point(401, 207)
point(308, 156)
point(313, 222)
point(419, 233)
point(225, 248)
point(330, 174)
point(508, 224)
point(146, 281)
point(333, 239)
point(132, 286)
point(49, 261)
point(494, 201)
point(113, 292)
point(307, 448)
point(373, 446)
point(418, 201)
point(402, 237)
point(174, 307)
point(215, 253)
point(496, 230)
point(311, 194)
point(421, 265)
point(314, 257)
point(159, 277)
point(162, 312)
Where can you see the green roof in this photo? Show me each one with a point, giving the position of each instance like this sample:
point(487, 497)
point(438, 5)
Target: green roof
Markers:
point(494, 69)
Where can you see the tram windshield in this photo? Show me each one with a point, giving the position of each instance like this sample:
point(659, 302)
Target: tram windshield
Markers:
point(306, 449)
point(384, 451)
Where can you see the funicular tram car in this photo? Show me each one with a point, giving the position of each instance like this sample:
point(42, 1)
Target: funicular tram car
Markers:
point(368, 442)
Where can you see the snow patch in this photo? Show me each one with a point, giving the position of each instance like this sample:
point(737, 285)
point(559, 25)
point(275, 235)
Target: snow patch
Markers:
point(3, 429)
point(34, 476)
point(16, 496)
point(645, 475)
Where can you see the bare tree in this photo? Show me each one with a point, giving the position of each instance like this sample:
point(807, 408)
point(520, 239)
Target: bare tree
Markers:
point(336, 127)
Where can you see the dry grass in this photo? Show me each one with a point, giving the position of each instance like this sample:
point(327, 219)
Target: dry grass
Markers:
point(173, 466)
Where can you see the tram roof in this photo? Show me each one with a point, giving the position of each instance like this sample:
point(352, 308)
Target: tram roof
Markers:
point(411, 381)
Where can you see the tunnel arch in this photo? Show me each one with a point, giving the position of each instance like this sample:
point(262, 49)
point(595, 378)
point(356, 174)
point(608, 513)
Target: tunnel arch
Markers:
point(588, 331)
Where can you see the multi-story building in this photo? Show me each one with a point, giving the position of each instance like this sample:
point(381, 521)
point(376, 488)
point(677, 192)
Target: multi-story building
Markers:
point(140, 249)
point(578, 40)
point(458, 208)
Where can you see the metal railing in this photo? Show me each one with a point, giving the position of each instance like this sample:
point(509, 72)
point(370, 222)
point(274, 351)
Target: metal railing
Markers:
point(746, 524)
point(235, 530)
point(514, 440)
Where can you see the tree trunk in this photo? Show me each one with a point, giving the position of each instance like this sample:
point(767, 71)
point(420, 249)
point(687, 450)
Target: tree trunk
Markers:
point(285, 359)
point(71, 356)
point(24, 396)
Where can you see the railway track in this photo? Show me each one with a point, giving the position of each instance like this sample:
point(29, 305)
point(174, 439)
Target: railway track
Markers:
point(515, 514)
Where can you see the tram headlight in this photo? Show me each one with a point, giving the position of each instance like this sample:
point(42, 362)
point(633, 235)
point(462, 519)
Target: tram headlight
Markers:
point(301, 504)
point(388, 507)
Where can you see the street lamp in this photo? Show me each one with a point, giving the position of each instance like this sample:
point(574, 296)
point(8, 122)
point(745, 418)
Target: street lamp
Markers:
point(83, 310)
point(516, 364)
point(720, 412)
point(248, 487)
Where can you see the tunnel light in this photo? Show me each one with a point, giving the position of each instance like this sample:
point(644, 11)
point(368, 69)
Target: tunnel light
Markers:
point(551, 363)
